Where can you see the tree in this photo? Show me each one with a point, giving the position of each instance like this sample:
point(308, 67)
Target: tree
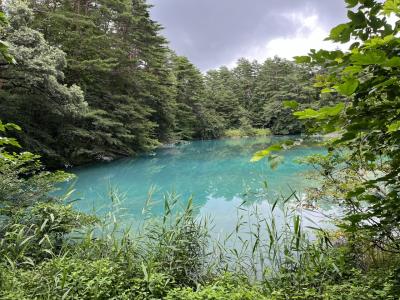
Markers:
point(31, 89)
point(280, 80)
point(195, 116)
point(367, 122)
point(220, 93)
point(117, 56)
point(3, 45)
point(245, 77)
point(189, 94)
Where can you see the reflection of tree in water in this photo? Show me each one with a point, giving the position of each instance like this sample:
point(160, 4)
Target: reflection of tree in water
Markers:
point(204, 169)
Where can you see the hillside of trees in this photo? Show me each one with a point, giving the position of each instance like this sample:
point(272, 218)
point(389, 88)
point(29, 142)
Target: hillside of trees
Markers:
point(95, 80)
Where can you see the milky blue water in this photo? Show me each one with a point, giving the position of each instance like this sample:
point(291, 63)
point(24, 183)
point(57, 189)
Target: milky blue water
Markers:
point(218, 175)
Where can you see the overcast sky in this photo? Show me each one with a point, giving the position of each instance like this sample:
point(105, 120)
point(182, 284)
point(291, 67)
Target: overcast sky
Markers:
point(212, 33)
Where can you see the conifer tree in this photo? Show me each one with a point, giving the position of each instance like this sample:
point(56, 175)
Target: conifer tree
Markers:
point(116, 54)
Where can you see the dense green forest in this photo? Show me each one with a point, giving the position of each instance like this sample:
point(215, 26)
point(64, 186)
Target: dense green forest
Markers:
point(82, 81)
point(96, 80)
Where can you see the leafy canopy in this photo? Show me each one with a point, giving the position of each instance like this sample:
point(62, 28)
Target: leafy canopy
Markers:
point(367, 122)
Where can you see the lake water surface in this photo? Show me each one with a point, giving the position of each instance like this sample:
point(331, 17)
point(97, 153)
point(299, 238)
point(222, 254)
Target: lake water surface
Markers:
point(218, 175)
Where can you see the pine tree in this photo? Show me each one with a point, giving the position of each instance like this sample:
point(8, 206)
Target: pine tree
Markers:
point(245, 74)
point(281, 80)
point(115, 53)
point(192, 115)
point(220, 92)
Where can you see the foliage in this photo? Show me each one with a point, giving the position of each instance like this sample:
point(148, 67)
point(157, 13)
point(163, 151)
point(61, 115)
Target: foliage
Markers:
point(254, 94)
point(366, 123)
point(246, 132)
point(195, 117)
point(32, 91)
point(177, 246)
point(68, 279)
point(228, 286)
point(280, 80)
point(96, 82)
point(32, 223)
point(138, 94)
point(3, 45)
point(48, 250)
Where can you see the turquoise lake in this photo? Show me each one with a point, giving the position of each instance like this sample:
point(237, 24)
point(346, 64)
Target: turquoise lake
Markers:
point(217, 174)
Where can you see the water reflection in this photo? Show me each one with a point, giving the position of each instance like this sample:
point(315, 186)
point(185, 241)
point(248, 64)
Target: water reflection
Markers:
point(216, 173)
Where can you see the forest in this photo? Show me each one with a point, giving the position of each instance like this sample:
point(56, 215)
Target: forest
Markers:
point(92, 84)
point(89, 81)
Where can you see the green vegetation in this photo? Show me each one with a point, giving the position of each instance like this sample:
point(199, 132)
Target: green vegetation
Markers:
point(110, 87)
point(244, 132)
point(93, 83)
point(367, 122)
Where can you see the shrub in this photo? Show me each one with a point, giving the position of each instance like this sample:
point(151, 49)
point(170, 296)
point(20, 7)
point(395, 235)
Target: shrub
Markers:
point(38, 232)
point(67, 278)
point(228, 287)
point(249, 132)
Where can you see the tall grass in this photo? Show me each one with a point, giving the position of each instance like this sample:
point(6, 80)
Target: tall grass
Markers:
point(270, 246)
point(268, 239)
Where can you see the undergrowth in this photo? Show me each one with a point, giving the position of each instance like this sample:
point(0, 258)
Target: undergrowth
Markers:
point(58, 253)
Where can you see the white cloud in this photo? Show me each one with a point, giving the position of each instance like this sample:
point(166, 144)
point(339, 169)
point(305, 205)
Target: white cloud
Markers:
point(310, 34)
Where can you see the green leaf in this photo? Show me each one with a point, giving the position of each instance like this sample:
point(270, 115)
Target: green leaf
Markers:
point(392, 62)
point(391, 6)
point(386, 83)
point(394, 126)
point(379, 41)
point(306, 114)
point(291, 104)
point(263, 153)
point(12, 126)
point(302, 59)
point(371, 57)
point(348, 136)
point(332, 111)
point(340, 33)
point(357, 18)
point(351, 3)
point(3, 19)
point(368, 3)
point(354, 193)
point(348, 87)
point(323, 113)
point(327, 90)
point(351, 70)
point(9, 141)
point(4, 51)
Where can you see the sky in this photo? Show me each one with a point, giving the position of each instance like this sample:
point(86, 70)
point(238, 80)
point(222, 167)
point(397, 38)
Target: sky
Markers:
point(212, 33)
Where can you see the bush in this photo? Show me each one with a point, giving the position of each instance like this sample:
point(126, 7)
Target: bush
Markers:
point(67, 278)
point(38, 232)
point(243, 133)
point(228, 287)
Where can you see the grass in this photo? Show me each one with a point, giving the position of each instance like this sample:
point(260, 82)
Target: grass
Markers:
point(268, 255)
point(250, 132)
